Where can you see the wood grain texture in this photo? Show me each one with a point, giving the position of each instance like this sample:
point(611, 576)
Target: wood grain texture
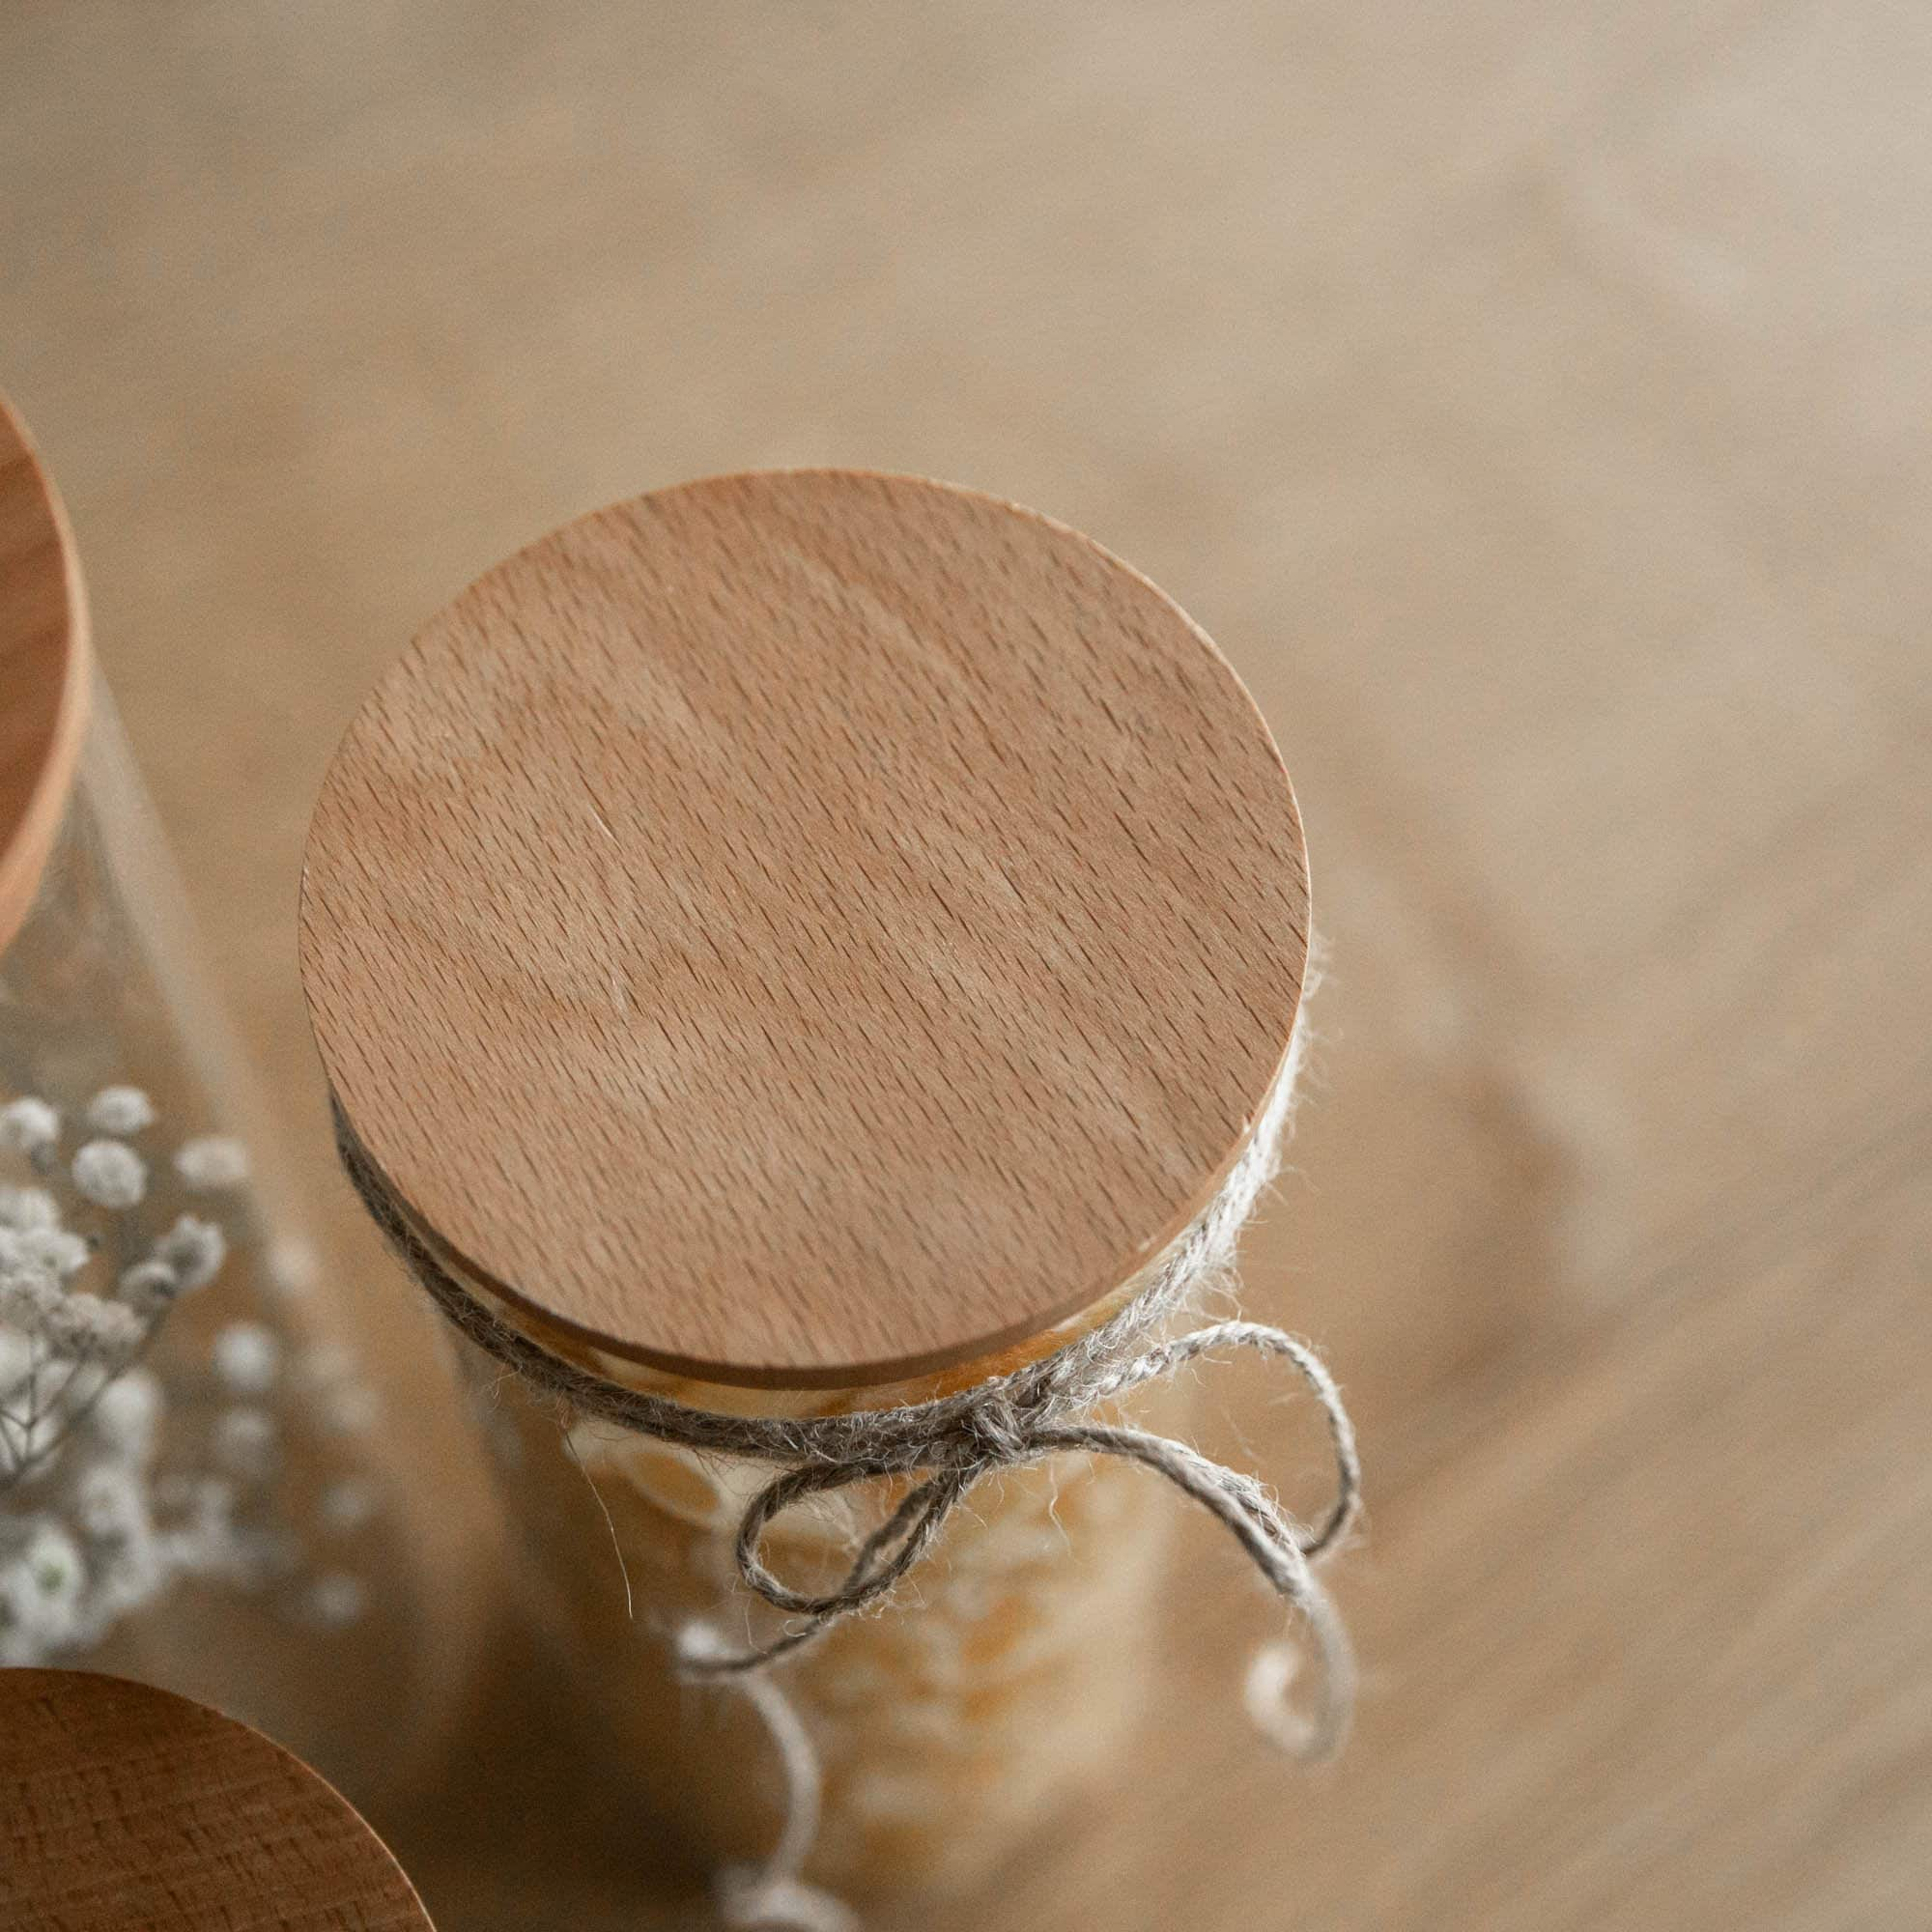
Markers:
point(1528, 400)
point(124, 1807)
point(42, 668)
point(807, 927)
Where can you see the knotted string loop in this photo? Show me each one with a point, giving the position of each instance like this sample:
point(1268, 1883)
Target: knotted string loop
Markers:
point(1285, 1552)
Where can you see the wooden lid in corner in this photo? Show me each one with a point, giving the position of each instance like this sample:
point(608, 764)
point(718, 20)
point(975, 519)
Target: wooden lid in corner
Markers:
point(805, 928)
point(44, 662)
point(122, 1806)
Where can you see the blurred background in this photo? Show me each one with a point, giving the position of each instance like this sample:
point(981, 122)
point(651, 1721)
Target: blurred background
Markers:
point(1531, 402)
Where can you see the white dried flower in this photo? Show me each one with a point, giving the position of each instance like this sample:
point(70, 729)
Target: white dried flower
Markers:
point(110, 1503)
point(337, 1598)
point(87, 1328)
point(104, 1538)
point(247, 1358)
point(347, 1504)
point(29, 1126)
point(41, 1584)
point(52, 1251)
point(245, 1442)
point(129, 1569)
point(206, 1541)
point(25, 1207)
point(211, 1161)
point(148, 1286)
point(194, 1249)
point(130, 1572)
point(55, 1566)
point(110, 1174)
point(127, 1414)
point(120, 1110)
point(28, 1295)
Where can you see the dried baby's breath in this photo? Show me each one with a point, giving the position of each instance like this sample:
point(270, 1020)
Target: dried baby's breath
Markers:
point(101, 1504)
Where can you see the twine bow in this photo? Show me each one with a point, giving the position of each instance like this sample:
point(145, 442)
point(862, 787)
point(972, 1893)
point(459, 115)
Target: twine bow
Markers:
point(1015, 1427)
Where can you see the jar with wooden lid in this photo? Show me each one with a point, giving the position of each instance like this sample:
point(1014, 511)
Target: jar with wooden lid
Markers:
point(128, 1806)
point(801, 945)
point(193, 1489)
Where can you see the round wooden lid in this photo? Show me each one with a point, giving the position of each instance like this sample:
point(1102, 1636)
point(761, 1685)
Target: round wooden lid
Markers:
point(123, 1806)
point(805, 928)
point(42, 668)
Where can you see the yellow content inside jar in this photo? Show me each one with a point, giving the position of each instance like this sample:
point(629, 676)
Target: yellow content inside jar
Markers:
point(994, 1684)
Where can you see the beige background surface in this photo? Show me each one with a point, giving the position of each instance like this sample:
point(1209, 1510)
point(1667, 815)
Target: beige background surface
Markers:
point(1530, 400)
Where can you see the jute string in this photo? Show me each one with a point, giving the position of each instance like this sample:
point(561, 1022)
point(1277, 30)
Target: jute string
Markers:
point(947, 1446)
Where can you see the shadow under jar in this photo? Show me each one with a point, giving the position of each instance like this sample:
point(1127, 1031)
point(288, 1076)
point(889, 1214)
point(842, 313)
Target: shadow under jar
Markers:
point(799, 945)
point(191, 1486)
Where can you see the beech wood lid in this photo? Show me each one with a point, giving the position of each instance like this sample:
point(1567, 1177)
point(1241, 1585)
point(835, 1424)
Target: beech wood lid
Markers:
point(805, 928)
point(122, 1806)
point(44, 659)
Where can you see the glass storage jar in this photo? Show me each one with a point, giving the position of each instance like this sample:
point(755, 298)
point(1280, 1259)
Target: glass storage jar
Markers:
point(1005, 1680)
point(191, 1486)
point(797, 946)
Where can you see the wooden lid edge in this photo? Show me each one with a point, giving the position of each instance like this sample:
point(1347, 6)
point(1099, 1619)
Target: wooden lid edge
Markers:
point(312, 1857)
point(543, 1325)
point(54, 650)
